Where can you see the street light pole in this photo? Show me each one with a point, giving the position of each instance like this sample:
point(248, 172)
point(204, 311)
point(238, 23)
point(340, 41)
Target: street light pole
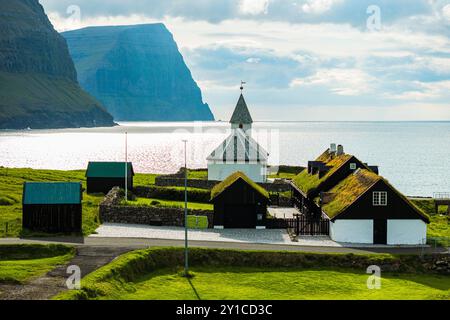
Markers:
point(186, 244)
point(126, 166)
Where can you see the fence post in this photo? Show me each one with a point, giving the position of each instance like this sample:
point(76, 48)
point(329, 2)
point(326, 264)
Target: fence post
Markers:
point(6, 229)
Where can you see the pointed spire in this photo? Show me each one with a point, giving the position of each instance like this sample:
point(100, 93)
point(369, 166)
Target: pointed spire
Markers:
point(241, 114)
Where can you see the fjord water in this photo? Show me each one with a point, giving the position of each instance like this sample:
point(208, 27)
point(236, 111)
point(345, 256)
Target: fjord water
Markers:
point(413, 156)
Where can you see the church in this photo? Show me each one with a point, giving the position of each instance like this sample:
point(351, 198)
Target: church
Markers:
point(239, 152)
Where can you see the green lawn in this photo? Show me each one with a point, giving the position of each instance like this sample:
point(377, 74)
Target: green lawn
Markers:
point(156, 274)
point(279, 284)
point(11, 185)
point(439, 228)
point(19, 264)
point(169, 204)
point(198, 174)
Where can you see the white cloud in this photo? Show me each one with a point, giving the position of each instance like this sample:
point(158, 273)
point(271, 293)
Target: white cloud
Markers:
point(424, 91)
point(446, 12)
point(254, 7)
point(344, 82)
point(318, 6)
point(253, 60)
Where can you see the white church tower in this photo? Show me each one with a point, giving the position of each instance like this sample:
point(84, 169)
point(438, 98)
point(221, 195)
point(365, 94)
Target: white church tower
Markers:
point(239, 152)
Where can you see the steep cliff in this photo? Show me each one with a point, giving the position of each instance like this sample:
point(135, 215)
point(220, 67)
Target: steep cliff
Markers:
point(38, 80)
point(137, 72)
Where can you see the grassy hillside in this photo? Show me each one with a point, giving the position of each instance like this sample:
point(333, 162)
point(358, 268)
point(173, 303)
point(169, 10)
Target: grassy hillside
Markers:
point(41, 101)
point(21, 263)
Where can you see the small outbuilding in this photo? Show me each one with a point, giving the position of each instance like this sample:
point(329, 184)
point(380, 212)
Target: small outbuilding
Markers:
point(52, 207)
point(101, 177)
point(239, 203)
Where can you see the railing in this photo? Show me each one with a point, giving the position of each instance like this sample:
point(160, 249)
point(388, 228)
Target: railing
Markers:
point(441, 195)
point(302, 225)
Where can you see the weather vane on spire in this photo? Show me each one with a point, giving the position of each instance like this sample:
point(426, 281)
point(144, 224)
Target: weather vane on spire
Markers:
point(242, 85)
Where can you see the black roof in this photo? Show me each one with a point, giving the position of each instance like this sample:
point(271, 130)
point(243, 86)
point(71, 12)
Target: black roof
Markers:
point(241, 115)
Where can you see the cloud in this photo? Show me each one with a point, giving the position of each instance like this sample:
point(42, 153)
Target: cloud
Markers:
point(345, 82)
point(318, 6)
point(298, 55)
point(254, 7)
point(446, 12)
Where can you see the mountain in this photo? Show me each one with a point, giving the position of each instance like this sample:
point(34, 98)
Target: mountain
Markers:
point(137, 72)
point(38, 80)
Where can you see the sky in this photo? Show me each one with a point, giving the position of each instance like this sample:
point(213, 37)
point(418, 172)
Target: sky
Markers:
point(302, 60)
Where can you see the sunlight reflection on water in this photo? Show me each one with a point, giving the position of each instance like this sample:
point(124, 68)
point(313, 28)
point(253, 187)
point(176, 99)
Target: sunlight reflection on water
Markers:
point(413, 156)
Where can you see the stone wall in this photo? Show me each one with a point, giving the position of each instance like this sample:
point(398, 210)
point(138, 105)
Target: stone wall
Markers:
point(174, 181)
point(111, 211)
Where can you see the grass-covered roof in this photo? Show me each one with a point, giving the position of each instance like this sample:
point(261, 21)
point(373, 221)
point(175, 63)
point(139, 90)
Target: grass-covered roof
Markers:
point(353, 187)
point(348, 190)
point(308, 182)
point(221, 187)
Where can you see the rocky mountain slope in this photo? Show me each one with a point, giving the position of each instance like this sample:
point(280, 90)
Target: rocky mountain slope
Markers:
point(137, 72)
point(38, 80)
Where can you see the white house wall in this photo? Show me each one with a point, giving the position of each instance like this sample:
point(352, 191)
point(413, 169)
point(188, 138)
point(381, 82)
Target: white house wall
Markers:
point(220, 171)
point(406, 232)
point(352, 231)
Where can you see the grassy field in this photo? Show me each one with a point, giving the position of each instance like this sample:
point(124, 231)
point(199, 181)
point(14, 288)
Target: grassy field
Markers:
point(19, 264)
point(155, 274)
point(169, 204)
point(11, 185)
point(279, 284)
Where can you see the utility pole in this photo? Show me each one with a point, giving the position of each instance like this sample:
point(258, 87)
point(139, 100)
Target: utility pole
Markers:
point(126, 166)
point(186, 244)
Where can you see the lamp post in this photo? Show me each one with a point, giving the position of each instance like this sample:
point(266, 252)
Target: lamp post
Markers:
point(126, 166)
point(186, 253)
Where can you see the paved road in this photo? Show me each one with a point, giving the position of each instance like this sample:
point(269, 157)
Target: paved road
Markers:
point(133, 244)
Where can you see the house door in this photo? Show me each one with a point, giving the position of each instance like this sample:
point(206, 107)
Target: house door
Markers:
point(380, 231)
point(240, 217)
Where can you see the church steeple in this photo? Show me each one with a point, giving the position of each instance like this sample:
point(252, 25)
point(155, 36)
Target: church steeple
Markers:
point(241, 118)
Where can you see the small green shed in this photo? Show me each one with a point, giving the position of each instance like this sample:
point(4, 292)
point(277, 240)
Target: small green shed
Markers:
point(53, 207)
point(103, 176)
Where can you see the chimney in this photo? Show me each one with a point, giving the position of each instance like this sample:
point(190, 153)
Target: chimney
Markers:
point(333, 148)
point(340, 150)
point(375, 169)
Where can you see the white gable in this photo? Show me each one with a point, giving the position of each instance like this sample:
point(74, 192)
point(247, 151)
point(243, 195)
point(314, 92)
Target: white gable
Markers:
point(239, 147)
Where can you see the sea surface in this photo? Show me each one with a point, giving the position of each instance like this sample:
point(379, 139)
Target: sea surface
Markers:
point(413, 156)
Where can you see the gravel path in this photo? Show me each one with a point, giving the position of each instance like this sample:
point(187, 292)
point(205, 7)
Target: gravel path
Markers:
point(275, 237)
point(54, 282)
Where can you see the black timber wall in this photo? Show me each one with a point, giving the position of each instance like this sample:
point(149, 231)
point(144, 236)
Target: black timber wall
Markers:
point(397, 207)
point(104, 185)
point(55, 218)
point(239, 194)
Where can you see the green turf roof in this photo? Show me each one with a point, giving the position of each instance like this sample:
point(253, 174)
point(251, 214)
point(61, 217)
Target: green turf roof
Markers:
point(108, 170)
point(51, 193)
point(348, 190)
point(308, 182)
point(352, 188)
point(221, 187)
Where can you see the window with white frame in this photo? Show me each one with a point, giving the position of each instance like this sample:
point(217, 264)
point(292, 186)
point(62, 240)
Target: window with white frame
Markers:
point(352, 166)
point(380, 198)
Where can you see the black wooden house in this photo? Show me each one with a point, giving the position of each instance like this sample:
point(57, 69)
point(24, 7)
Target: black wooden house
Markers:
point(103, 176)
point(239, 203)
point(52, 207)
point(359, 205)
point(330, 168)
